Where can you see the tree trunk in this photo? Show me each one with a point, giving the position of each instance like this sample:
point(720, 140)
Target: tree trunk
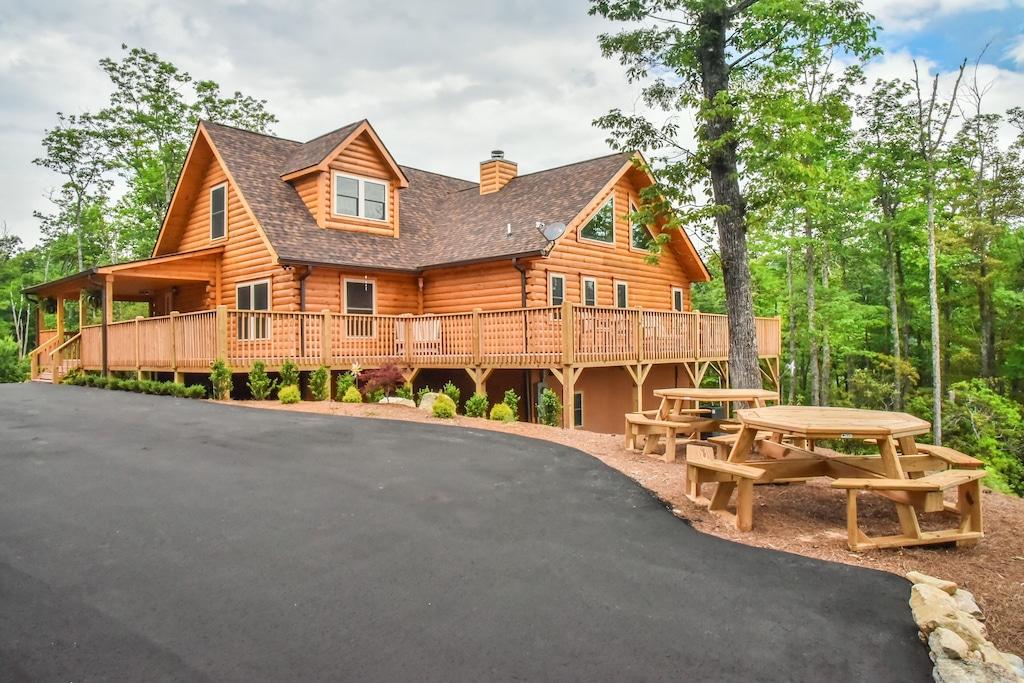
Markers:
point(933, 301)
point(826, 348)
point(987, 331)
point(744, 371)
point(792, 321)
point(904, 304)
point(894, 318)
point(812, 334)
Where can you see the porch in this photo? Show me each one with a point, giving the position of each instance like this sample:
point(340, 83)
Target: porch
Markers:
point(479, 342)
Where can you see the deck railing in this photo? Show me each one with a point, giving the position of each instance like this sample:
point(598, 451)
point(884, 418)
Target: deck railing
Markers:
point(533, 337)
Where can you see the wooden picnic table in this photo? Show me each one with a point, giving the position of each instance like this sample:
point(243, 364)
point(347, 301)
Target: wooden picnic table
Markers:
point(674, 401)
point(895, 473)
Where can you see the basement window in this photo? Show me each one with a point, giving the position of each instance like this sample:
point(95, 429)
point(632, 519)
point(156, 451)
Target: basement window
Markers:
point(577, 409)
point(360, 197)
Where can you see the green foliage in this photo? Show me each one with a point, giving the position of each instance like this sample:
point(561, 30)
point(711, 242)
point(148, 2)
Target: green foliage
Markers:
point(980, 422)
point(451, 391)
point(289, 393)
point(259, 382)
point(511, 399)
point(320, 383)
point(195, 391)
point(137, 386)
point(444, 407)
point(12, 368)
point(374, 396)
point(220, 379)
point(476, 405)
point(289, 374)
point(549, 412)
point(421, 393)
point(351, 395)
point(503, 413)
point(385, 380)
point(346, 381)
point(404, 391)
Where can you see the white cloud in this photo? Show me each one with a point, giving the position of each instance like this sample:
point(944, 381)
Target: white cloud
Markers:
point(915, 15)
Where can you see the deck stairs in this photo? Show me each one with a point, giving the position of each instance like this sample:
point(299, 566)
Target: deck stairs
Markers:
point(46, 375)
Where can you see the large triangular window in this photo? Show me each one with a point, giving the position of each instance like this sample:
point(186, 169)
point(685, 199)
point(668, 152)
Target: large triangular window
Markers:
point(601, 228)
point(640, 235)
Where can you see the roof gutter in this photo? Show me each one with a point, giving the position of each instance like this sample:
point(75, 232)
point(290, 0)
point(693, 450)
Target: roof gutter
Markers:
point(536, 253)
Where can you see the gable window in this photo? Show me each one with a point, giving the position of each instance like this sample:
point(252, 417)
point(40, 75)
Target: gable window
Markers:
point(360, 299)
point(677, 299)
point(577, 409)
point(622, 295)
point(601, 228)
point(640, 235)
point(556, 290)
point(589, 291)
point(218, 212)
point(360, 197)
point(253, 296)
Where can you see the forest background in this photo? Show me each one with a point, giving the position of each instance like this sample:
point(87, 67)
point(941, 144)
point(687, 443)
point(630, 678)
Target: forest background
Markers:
point(837, 193)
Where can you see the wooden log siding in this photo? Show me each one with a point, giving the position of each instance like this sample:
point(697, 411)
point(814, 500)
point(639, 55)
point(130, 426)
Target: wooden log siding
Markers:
point(360, 158)
point(518, 338)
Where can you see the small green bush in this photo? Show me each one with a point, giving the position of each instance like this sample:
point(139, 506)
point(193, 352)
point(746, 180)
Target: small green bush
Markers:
point(320, 383)
point(289, 394)
point(373, 396)
point(352, 395)
point(346, 380)
point(404, 391)
point(289, 374)
point(220, 379)
point(13, 368)
point(502, 412)
point(476, 405)
point(195, 391)
point(451, 391)
point(444, 407)
point(259, 382)
point(114, 384)
point(511, 399)
point(421, 393)
point(549, 412)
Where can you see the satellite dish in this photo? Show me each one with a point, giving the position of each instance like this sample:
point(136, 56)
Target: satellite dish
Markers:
point(553, 232)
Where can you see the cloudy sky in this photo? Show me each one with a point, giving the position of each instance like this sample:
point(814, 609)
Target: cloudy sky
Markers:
point(442, 81)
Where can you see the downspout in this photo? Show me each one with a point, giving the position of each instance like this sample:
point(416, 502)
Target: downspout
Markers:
point(103, 327)
point(526, 373)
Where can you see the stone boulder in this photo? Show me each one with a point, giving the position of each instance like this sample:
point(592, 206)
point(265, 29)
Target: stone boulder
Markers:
point(396, 400)
point(427, 402)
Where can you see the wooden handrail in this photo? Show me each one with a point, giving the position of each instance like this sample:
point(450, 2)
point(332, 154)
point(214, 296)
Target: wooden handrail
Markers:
point(34, 355)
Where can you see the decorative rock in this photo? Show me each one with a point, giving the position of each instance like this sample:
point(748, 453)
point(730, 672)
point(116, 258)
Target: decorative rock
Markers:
point(947, 643)
point(965, 603)
point(427, 402)
point(1016, 663)
point(993, 656)
point(918, 578)
point(396, 400)
point(931, 606)
point(959, 671)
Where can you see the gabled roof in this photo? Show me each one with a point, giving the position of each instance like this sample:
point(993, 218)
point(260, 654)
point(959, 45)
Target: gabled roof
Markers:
point(316, 154)
point(445, 220)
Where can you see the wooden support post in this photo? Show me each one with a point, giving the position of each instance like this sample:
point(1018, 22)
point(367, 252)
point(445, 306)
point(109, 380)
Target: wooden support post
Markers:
point(82, 312)
point(325, 338)
point(568, 334)
point(40, 323)
point(108, 317)
point(173, 345)
point(60, 320)
point(639, 376)
point(138, 348)
point(222, 332)
point(569, 377)
point(55, 362)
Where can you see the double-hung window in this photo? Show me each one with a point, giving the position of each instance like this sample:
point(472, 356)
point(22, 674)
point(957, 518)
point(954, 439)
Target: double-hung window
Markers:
point(360, 300)
point(589, 291)
point(622, 295)
point(218, 212)
point(253, 296)
point(360, 197)
point(677, 299)
point(556, 290)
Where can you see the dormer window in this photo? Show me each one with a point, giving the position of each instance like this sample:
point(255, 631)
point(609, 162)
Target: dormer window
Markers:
point(218, 212)
point(360, 197)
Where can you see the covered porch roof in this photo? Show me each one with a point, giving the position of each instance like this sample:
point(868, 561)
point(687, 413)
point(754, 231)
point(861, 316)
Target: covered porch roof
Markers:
point(137, 280)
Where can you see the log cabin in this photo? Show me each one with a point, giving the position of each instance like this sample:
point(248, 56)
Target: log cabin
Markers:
point(330, 252)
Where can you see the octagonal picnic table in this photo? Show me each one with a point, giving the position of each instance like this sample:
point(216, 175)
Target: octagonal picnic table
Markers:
point(885, 474)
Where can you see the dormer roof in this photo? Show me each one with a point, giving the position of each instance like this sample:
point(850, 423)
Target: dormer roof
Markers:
point(316, 154)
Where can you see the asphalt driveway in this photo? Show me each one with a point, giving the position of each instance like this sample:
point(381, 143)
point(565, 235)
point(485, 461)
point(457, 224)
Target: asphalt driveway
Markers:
point(155, 539)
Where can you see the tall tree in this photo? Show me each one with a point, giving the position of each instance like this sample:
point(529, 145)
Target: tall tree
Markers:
point(932, 122)
point(709, 54)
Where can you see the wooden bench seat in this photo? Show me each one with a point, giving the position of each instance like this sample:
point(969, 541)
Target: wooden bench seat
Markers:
point(924, 494)
point(724, 443)
point(652, 429)
point(703, 468)
point(953, 457)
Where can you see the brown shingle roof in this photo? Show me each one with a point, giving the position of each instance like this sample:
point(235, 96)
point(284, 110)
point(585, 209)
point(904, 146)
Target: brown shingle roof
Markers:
point(316, 150)
point(444, 220)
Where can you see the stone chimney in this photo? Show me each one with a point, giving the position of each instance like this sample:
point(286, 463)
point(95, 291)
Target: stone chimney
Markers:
point(496, 172)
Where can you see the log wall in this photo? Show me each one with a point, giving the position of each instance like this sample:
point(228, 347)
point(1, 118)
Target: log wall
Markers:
point(360, 158)
point(491, 286)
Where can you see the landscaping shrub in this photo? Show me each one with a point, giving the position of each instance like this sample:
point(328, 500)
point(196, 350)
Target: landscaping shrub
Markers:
point(320, 383)
point(502, 412)
point(476, 405)
point(12, 367)
point(421, 393)
point(385, 379)
point(143, 386)
point(451, 391)
point(549, 411)
point(511, 399)
point(404, 391)
point(220, 378)
point(259, 382)
point(195, 391)
point(289, 394)
point(373, 396)
point(444, 407)
point(289, 374)
point(114, 384)
point(351, 395)
point(346, 380)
